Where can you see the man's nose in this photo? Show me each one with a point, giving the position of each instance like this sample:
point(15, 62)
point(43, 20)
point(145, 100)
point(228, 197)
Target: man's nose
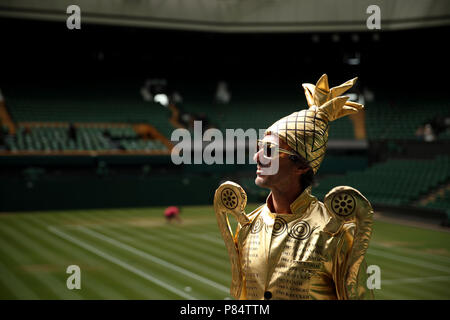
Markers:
point(258, 157)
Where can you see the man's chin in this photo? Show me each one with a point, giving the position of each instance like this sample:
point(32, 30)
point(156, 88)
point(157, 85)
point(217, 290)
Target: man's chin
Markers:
point(260, 181)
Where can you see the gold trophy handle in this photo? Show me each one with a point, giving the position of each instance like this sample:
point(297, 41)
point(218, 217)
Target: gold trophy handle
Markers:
point(230, 198)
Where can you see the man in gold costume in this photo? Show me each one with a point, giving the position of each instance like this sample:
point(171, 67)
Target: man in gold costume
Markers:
point(295, 246)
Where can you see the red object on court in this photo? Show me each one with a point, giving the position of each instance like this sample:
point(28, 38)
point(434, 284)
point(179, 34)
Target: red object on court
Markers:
point(171, 211)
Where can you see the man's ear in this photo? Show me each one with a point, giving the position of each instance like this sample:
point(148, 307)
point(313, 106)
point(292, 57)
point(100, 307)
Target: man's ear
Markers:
point(300, 168)
point(301, 171)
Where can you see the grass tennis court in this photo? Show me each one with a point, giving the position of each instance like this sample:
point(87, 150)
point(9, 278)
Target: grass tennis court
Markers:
point(135, 254)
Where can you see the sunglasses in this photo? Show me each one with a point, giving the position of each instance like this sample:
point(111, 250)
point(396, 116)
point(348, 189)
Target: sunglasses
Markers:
point(272, 150)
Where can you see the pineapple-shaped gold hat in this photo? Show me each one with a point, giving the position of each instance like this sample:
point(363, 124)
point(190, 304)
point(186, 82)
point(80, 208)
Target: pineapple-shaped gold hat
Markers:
point(306, 131)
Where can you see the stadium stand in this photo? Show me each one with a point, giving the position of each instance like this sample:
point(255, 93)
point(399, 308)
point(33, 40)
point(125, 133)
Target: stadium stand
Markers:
point(394, 182)
point(108, 102)
point(441, 201)
point(401, 118)
point(44, 137)
point(387, 118)
point(103, 119)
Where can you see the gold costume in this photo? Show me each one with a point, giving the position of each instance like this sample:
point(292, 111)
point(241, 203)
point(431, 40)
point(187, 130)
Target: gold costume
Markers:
point(317, 251)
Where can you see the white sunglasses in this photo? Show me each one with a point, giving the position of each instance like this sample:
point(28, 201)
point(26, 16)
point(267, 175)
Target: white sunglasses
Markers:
point(271, 150)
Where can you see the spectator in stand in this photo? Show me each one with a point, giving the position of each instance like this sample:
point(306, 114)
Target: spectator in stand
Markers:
point(428, 133)
point(176, 98)
point(223, 94)
point(72, 132)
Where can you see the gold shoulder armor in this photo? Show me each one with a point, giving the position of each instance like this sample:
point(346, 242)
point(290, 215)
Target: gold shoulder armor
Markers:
point(230, 198)
point(350, 207)
point(348, 204)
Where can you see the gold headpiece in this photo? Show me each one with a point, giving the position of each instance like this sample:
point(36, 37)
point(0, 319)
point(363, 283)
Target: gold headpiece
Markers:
point(306, 131)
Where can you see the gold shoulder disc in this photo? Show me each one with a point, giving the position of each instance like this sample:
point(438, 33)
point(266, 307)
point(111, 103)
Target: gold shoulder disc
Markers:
point(347, 203)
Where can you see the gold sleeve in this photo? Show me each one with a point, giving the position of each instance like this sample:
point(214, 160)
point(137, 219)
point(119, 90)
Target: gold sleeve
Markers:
point(356, 215)
point(231, 199)
point(350, 272)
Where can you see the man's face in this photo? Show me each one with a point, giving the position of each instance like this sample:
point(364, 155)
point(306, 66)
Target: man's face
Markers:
point(266, 177)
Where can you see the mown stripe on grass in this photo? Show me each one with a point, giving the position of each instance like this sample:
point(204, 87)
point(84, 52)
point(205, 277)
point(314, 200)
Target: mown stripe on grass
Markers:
point(177, 249)
point(204, 268)
point(18, 288)
point(413, 291)
point(91, 286)
point(179, 242)
point(36, 239)
point(387, 295)
point(155, 259)
point(162, 273)
point(392, 271)
point(396, 269)
point(417, 280)
point(129, 284)
point(440, 259)
point(173, 250)
point(175, 238)
point(165, 229)
point(207, 237)
point(120, 263)
point(160, 250)
point(26, 252)
point(409, 260)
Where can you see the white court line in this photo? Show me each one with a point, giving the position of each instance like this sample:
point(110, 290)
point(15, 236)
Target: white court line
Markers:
point(157, 260)
point(120, 263)
point(207, 237)
point(414, 280)
point(408, 260)
point(123, 238)
point(410, 251)
point(390, 295)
